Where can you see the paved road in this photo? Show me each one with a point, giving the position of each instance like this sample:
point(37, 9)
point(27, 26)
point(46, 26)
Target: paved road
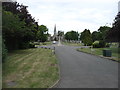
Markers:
point(80, 70)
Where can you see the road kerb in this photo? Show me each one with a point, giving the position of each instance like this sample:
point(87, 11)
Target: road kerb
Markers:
point(58, 79)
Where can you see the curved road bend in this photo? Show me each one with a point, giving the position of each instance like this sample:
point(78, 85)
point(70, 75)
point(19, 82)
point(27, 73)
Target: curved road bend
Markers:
point(80, 70)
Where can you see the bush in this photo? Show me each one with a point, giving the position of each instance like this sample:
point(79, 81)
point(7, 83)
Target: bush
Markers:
point(99, 44)
point(96, 44)
point(4, 52)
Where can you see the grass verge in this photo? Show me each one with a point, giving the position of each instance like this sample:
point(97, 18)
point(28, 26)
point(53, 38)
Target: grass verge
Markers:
point(30, 68)
point(42, 44)
point(99, 52)
point(71, 44)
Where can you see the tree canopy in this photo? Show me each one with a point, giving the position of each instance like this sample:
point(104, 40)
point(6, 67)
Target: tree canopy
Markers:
point(114, 32)
point(96, 36)
point(71, 35)
point(60, 33)
point(103, 32)
point(19, 27)
point(100, 34)
point(86, 37)
point(42, 33)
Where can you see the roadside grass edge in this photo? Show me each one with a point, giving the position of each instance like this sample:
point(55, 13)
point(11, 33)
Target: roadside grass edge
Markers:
point(56, 81)
point(98, 56)
point(58, 74)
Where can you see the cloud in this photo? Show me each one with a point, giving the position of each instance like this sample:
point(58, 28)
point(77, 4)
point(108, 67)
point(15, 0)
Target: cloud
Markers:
point(98, 1)
point(72, 14)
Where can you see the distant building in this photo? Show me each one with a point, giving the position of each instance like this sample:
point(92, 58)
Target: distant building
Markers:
point(49, 37)
point(55, 36)
point(119, 6)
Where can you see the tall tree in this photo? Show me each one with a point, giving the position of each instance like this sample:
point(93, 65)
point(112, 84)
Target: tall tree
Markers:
point(60, 33)
point(42, 33)
point(13, 29)
point(86, 37)
point(103, 32)
point(19, 28)
point(114, 32)
point(96, 36)
point(71, 35)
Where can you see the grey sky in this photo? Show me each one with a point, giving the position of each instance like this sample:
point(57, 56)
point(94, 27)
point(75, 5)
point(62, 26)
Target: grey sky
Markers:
point(72, 14)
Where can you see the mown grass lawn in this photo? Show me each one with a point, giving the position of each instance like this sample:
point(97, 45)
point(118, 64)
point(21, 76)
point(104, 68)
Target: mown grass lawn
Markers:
point(30, 68)
point(43, 44)
point(71, 44)
point(99, 51)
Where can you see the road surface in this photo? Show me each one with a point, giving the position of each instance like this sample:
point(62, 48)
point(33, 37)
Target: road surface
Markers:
point(80, 70)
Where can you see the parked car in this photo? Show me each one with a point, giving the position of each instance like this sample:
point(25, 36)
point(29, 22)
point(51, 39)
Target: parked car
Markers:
point(54, 42)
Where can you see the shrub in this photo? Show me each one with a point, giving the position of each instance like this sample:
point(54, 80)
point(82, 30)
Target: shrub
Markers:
point(96, 44)
point(99, 44)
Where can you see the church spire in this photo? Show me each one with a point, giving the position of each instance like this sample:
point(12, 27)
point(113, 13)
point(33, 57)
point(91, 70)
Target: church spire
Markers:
point(55, 30)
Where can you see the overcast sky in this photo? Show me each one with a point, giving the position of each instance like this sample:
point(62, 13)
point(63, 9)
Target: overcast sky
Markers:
point(72, 14)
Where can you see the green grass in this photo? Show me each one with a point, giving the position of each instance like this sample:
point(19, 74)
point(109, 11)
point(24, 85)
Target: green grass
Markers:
point(46, 43)
point(30, 68)
point(42, 44)
point(99, 51)
point(71, 44)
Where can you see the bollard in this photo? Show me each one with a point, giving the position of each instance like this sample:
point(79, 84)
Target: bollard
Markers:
point(53, 51)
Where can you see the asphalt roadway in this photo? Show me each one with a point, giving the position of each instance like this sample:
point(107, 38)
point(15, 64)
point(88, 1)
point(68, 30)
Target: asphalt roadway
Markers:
point(81, 70)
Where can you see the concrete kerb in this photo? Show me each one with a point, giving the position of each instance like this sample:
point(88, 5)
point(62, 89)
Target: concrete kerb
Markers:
point(58, 73)
point(98, 56)
point(56, 81)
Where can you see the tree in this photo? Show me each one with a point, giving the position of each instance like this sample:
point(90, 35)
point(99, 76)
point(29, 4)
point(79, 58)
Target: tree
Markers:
point(95, 36)
point(42, 33)
point(114, 32)
point(19, 28)
point(86, 37)
point(100, 35)
point(11, 7)
point(103, 32)
point(20, 10)
point(13, 29)
point(60, 33)
point(72, 35)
